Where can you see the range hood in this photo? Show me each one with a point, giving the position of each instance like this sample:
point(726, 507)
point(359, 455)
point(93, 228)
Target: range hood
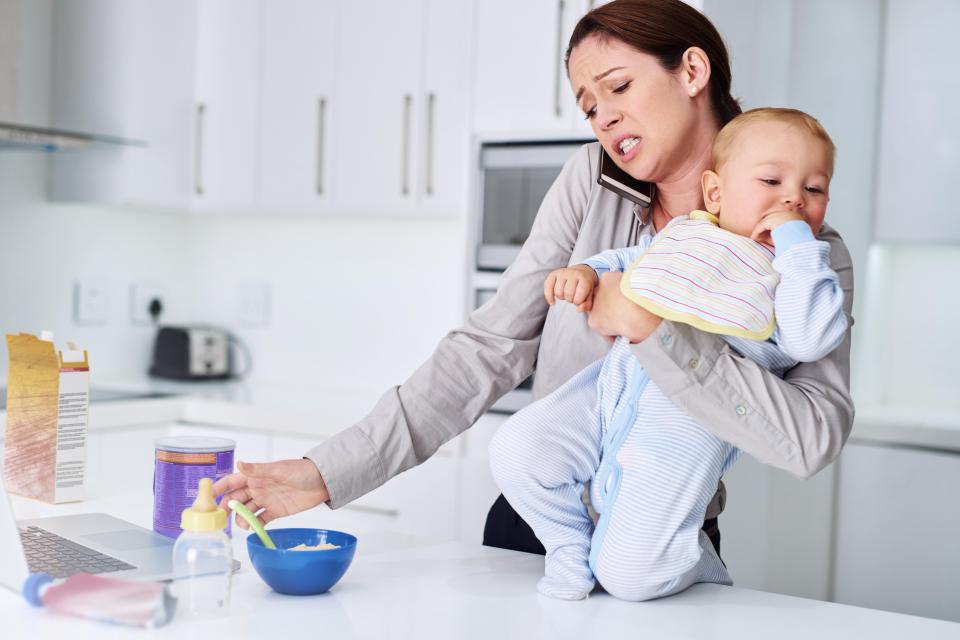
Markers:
point(17, 136)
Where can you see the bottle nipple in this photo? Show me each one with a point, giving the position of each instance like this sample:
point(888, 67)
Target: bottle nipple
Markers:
point(204, 502)
point(204, 515)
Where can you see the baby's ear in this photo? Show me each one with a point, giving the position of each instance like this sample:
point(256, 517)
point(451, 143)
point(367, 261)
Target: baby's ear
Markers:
point(710, 183)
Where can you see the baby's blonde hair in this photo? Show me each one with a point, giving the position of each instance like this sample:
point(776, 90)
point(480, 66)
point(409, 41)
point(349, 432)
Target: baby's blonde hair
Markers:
point(725, 139)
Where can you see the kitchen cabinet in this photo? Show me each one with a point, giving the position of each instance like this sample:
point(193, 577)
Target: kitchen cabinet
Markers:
point(289, 106)
point(776, 529)
point(896, 530)
point(401, 118)
point(919, 133)
point(226, 113)
point(445, 99)
point(378, 101)
point(477, 489)
point(520, 78)
point(121, 457)
point(297, 97)
point(172, 76)
point(420, 501)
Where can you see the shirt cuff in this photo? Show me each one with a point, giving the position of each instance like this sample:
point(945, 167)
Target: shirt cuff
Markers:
point(346, 462)
point(790, 234)
point(599, 267)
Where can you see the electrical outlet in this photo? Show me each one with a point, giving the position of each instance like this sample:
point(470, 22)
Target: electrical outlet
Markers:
point(253, 304)
point(90, 302)
point(142, 295)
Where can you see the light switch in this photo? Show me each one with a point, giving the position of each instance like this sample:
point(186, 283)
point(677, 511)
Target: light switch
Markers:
point(253, 304)
point(90, 302)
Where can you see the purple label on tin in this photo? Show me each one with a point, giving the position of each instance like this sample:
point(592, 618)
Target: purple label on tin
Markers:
point(176, 476)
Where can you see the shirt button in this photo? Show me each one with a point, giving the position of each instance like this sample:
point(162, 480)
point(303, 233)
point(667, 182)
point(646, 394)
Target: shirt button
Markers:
point(694, 363)
point(666, 340)
point(741, 410)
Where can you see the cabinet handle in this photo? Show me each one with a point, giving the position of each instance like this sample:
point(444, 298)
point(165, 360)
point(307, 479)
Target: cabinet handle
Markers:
point(380, 511)
point(198, 151)
point(321, 136)
point(405, 169)
point(557, 79)
point(431, 102)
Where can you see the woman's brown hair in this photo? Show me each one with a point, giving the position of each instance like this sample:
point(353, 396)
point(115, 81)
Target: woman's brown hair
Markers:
point(664, 29)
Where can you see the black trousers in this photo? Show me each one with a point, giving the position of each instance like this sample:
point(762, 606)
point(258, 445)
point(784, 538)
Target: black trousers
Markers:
point(507, 530)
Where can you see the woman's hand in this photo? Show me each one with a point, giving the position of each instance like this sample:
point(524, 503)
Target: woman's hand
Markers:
point(275, 489)
point(614, 315)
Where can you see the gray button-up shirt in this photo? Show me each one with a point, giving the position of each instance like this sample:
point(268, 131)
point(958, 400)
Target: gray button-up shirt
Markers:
point(798, 423)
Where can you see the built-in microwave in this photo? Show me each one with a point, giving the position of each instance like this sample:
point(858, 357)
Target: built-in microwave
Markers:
point(511, 180)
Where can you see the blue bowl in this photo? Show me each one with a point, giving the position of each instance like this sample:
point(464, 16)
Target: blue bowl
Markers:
point(302, 573)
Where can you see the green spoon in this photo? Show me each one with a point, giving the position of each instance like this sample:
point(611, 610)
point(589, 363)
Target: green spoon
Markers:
point(254, 521)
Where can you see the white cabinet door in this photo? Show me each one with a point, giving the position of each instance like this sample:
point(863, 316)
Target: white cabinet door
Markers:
point(227, 95)
point(419, 502)
point(297, 95)
point(776, 529)
point(122, 457)
point(180, 76)
point(520, 79)
point(477, 490)
point(896, 530)
point(375, 165)
point(125, 69)
point(444, 109)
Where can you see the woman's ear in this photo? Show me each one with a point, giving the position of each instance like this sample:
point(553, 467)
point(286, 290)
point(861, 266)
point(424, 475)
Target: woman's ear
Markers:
point(694, 70)
point(710, 183)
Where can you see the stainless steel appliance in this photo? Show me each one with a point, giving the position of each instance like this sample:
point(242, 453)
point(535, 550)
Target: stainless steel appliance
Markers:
point(196, 353)
point(511, 180)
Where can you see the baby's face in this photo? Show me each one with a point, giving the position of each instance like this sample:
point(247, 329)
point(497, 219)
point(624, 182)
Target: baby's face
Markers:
point(773, 166)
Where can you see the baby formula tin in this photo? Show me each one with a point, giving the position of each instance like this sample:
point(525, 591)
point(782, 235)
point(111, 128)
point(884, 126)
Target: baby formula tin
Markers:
point(179, 463)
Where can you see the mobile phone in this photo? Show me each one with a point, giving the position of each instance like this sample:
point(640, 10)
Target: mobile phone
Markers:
point(612, 177)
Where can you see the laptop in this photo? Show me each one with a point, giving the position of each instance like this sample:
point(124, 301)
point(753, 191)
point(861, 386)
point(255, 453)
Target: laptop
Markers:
point(85, 543)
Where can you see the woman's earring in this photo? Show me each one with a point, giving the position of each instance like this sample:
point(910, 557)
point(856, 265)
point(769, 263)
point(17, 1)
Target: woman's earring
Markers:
point(693, 90)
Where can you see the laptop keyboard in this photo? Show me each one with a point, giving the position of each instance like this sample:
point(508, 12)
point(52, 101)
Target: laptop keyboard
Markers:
point(49, 553)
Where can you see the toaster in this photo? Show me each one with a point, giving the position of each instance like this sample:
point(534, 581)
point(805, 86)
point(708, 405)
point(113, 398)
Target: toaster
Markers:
point(192, 353)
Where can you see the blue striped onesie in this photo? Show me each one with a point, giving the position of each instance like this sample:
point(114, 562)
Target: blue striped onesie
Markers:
point(652, 469)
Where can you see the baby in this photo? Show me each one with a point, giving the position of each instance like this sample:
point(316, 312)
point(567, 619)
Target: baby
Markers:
point(652, 469)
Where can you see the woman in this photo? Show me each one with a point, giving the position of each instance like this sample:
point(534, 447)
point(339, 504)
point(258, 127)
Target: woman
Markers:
point(653, 78)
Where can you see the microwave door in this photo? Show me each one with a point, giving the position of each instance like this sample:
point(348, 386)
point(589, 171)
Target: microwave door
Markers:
point(515, 180)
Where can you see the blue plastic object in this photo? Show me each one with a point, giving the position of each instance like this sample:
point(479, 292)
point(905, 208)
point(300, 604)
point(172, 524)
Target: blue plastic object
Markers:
point(32, 586)
point(302, 573)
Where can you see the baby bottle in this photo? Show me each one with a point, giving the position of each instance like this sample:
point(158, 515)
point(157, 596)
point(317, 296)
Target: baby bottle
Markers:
point(203, 558)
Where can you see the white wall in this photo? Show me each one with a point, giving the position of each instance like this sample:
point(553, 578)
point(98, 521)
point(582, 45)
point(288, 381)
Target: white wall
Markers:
point(44, 249)
point(352, 303)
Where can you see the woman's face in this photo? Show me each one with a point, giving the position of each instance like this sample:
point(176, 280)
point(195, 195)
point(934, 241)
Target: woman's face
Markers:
point(644, 116)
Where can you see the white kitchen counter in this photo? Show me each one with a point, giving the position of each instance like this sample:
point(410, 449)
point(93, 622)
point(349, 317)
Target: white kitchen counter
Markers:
point(408, 587)
point(908, 426)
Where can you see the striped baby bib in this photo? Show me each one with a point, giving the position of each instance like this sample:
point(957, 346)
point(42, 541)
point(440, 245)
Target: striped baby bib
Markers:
point(697, 273)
